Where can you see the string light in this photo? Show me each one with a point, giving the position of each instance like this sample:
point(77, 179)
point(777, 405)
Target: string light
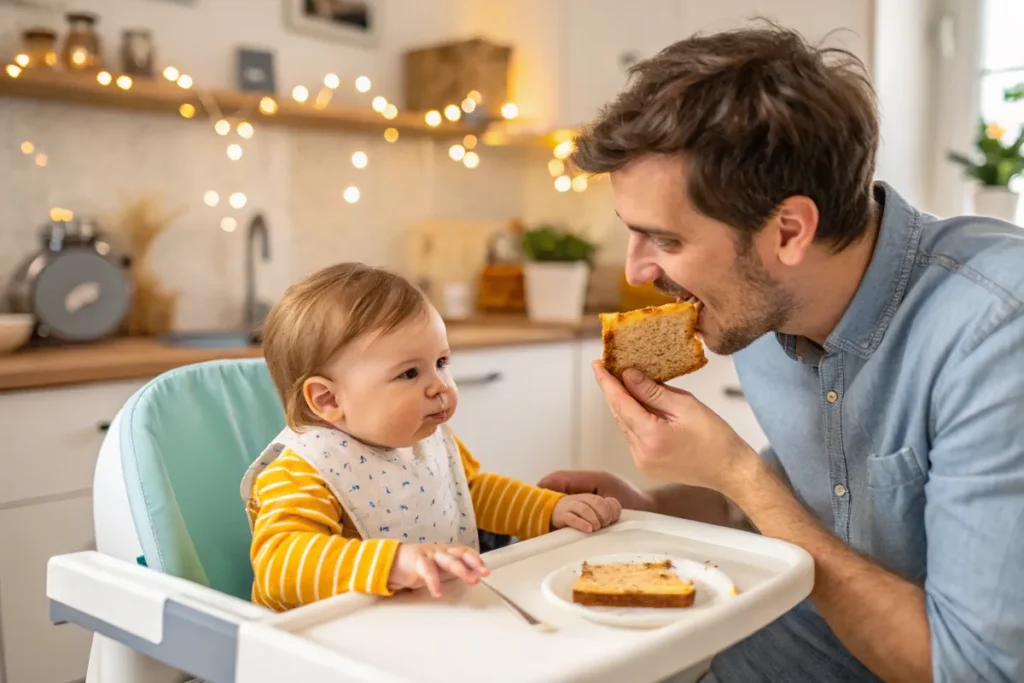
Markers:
point(472, 160)
point(223, 127)
point(58, 215)
point(452, 112)
point(457, 152)
point(237, 200)
point(510, 110)
point(379, 104)
point(351, 194)
point(300, 94)
point(564, 149)
point(228, 224)
point(268, 105)
point(27, 147)
point(184, 81)
point(332, 81)
point(78, 56)
point(359, 160)
point(468, 105)
point(469, 142)
point(475, 96)
point(245, 130)
point(579, 183)
point(234, 152)
point(104, 78)
point(13, 70)
point(187, 110)
point(563, 183)
point(363, 84)
point(211, 199)
point(433, 118)
point(42, 160)
point(50, 59)
point(390, 112)
point(21, 60)
point(556, 167)
point(391, 135)
point(124, 82)
point(171, 74)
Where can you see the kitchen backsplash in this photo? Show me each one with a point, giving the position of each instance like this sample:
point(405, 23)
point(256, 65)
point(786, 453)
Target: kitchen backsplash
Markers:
point(96, 160)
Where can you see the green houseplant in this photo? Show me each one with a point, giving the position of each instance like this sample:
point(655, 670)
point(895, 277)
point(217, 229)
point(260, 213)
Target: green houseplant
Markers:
point(556, 273)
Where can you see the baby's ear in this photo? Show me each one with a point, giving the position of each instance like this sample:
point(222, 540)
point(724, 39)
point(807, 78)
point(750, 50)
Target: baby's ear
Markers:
point(322, 398)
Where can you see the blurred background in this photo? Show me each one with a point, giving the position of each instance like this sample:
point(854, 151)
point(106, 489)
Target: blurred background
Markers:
point(168, 167)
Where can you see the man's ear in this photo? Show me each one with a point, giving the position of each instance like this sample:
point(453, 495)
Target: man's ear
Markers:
point(797, 224)
point(322, 399)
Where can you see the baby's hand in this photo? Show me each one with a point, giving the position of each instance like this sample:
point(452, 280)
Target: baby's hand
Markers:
point(421, 565)
point(585, 512)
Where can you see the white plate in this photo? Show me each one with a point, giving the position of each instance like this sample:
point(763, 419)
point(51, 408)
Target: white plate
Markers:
point(711, 583)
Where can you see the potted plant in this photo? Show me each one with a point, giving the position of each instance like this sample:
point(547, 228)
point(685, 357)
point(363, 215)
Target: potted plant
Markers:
point(556, 273)
point(995, 166)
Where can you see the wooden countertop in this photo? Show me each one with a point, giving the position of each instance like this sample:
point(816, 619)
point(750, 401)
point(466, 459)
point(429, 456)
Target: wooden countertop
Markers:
point(141, 358)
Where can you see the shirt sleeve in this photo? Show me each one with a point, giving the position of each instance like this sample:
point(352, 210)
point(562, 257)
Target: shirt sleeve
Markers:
point(505, 506)
point(298, 552)
point(974, 512)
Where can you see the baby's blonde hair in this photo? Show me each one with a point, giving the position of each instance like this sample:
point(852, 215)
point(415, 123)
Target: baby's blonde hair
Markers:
point(319, 316)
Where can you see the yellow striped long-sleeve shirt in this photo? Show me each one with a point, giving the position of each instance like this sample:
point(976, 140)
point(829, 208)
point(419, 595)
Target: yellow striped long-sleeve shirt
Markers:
point(301, 551)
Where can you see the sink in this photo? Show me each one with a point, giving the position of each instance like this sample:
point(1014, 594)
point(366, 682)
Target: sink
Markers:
point(211, 340)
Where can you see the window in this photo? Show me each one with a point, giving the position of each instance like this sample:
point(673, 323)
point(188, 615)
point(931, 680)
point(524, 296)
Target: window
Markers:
point(1002, 65)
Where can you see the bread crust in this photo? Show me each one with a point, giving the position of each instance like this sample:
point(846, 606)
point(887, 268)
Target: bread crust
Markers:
point(628, 584)
point(660, 341)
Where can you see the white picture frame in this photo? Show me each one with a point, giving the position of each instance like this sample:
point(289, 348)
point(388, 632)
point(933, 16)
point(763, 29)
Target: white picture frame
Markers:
point(300, 17)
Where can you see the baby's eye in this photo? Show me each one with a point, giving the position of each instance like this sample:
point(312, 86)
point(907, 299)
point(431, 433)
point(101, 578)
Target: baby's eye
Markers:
point(443, 362)
point(411, 373)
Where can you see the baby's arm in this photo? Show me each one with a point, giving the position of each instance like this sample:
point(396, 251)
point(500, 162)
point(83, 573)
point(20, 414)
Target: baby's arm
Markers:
point(298, 554)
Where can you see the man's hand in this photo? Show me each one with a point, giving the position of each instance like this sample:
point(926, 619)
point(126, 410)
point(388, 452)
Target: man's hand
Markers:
point(426, 564)
point(599, 483)
point(674, 437)
point(585, 512)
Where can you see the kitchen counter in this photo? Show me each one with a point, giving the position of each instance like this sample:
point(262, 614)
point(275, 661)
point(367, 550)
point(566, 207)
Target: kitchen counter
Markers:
point(139, 358)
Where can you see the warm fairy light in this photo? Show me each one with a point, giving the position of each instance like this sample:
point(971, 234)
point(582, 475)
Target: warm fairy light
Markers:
point(457, 152)
point(472, 160)
point(42, 160)
point(379, 104)
point(268, 105)
point(13, 70)
point(579, 183)
point(351, 194)
point(50, 59)
point(228, 224)
point(300, 94)
point(187, 110)
point(433, 118)
point(359, 159)
point(390, 112)
point(211, 198)
point(58, 214)
point(475, 96)
point(468, 106)
point(237, 200)
point(79, 56)
point(469, 142)
point(556, 167)
point(564, 149)
point(563, 183)
point(245, 129)
point(21, 60)
point(332, 81)
point(104, 78)
point(363, 84)
point(124, 82)
point(223, 127)
point(234, 152)
point(171, 74)
point(452, 112)
point(391, 135)
point(27, 147)
point(184, 81)
point(510, 110)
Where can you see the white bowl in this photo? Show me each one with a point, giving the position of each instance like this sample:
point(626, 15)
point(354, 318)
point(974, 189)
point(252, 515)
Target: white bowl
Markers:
point(15, 330)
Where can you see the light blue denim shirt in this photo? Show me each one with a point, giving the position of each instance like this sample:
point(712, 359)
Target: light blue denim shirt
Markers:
point(905, 436)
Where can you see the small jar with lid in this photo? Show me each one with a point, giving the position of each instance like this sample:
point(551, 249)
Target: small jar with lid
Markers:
point(81, 45)
point(39, 45)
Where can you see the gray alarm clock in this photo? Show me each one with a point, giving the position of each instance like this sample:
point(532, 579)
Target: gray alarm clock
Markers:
point(75, 286)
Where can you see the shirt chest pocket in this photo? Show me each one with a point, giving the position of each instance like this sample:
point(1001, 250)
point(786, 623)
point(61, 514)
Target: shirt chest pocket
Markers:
point(895, 515)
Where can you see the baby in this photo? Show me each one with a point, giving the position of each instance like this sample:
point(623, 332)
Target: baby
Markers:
point(367, 489)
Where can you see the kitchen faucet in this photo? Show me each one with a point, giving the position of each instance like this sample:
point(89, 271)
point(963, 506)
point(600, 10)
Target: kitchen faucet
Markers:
point(254, 311)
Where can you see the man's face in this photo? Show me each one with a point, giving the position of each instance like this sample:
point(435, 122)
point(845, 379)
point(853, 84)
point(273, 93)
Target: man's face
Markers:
point(686, 253)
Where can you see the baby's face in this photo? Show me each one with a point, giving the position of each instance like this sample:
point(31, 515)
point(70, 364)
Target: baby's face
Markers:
point(395, 389)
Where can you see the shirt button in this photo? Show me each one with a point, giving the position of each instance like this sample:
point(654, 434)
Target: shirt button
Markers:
point(840, 490)
point(832, 397)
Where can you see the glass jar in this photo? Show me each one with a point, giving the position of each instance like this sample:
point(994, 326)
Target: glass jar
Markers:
point(40, 46)
point(82, 45)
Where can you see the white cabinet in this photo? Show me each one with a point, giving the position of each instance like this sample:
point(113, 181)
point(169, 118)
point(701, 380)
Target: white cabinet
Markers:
point(516, 409)
point(602, 446)
point(34, 650)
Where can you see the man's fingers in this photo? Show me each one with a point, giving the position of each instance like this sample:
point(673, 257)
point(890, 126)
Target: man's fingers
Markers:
point(557, 481)
point(627, 411)
point(426, 569)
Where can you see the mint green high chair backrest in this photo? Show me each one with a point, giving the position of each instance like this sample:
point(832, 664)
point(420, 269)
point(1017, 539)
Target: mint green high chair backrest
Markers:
point(186, 439)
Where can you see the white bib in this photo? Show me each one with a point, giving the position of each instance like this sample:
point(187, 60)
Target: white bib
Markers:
point(414, 495)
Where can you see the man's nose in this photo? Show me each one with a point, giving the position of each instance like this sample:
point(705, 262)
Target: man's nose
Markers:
point(640, 267)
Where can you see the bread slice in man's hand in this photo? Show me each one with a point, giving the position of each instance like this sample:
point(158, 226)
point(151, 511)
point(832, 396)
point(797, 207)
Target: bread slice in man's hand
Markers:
point(659, 341)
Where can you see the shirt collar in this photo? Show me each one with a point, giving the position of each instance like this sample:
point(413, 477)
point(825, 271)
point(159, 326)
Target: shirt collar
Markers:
point(863, 324)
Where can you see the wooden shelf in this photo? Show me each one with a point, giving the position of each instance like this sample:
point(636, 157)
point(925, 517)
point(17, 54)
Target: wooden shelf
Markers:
point(161, 96)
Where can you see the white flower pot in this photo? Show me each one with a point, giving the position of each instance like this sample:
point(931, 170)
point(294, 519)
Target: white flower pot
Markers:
point(556, 292)
point(996, 202)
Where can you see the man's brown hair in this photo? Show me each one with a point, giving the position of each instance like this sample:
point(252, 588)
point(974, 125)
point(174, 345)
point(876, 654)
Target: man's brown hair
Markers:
point(759, 115)
point(319, 316)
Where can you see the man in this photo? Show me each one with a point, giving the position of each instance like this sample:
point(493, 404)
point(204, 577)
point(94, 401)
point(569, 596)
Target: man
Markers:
point(881, 349)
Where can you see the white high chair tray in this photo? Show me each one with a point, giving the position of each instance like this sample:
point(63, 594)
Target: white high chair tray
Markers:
point(470, 633)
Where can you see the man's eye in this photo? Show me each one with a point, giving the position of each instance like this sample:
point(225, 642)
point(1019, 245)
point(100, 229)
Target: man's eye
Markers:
point(411, 373)
point(661, 243)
